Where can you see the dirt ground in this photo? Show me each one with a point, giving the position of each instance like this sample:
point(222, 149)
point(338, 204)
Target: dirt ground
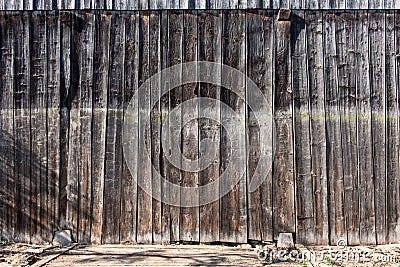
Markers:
point(200, 255)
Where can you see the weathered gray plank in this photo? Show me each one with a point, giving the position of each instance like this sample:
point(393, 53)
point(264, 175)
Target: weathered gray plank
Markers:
point(144, 223)
point(304, 180)
point(233, 204)
point(318, 150)
point(333, 134)
point(164, 109)
point(155, 117)
point(377, 49)
point(345, 33)
point(337, 4)
point(22, 175)
point(85, 60)
point(259, 69)
point(7, 123)
point(352, 4)
point(173, 174)
point(189, 230)
point(283, 176)
point(113, 158)
point(376, 4)
point(209, 42)
point(129, 185)
point(38, 102)
point(53, 120)
point(99, 107)
point(364, 141)
point(392, 131)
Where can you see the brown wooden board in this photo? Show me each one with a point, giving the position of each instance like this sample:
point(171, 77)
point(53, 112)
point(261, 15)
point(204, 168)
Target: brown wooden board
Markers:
point(333, 134)
point(7, 125)
point(113, 153)
point(259, 69)
point(24, 186)
point(38, 102)
point(364, 141)
point(155, 117)
point(283, 176)
point(99, 118)
point(301, 104)
point(173, 174)
point(144, 223)
point(209, 49)
point(189, 221)
point(53, 121)
point(392, 131)
point(345, 33)
point(315, 60)
point(129, 185)
point(233, 214)
point(377, 49)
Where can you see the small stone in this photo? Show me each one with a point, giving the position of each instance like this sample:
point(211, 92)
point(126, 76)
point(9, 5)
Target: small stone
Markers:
point(285, 240)
point(62, 238)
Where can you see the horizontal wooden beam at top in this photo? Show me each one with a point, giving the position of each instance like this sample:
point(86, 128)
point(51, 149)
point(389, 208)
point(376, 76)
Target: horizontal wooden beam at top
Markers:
point(195, 4)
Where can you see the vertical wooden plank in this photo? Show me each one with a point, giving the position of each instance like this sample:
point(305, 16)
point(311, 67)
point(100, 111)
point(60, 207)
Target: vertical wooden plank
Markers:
point(173, 4)
point(97, 4)
point(53, 119)
point(99, 119)
point(38, 103)
point(175, 46)
point(113, 157)
point(23, 186)
point(189, 230)
point(143, 5)
point(85, 61)
point(129, 185)
point(74, 159)
point(305, 226)
point(376, 4)
point(259, 62)
point(333, 134)
point(316, 77)
point(144, 224)
point(7, 123)
point(215, 4)
point(392, 132)
point(184, 4)
point(364, 145)
point(337, 4)
point(352, 4)
point(283, 180)
point(233, 205)
point(297, 4)
point(345, 42)
point(200, 4)
point(155, 117)
point(65, 91)
point(363, 4)
point(377, 49)
point(209, 42)
point(164, 110)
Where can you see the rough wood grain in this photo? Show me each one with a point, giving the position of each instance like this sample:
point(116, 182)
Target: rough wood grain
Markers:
point(364, 141)
point(24, 186)
point(209, 42)
point(333, 134)
point(144, 225)
point(259, 69)
point(302, 136)
point(38, 102)
point(99, 118)
point(233, 205)
point(7, 124)
point(190, 136)
point(315, 58)
point(345, 33)
point(129, 185)
point(283, 176)
point(113, 156)
point(53, 120)
point(377, 49)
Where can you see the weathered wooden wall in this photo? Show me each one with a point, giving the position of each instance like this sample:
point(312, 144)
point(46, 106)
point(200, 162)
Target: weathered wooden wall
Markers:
point(195, 4)
point(333, 79)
